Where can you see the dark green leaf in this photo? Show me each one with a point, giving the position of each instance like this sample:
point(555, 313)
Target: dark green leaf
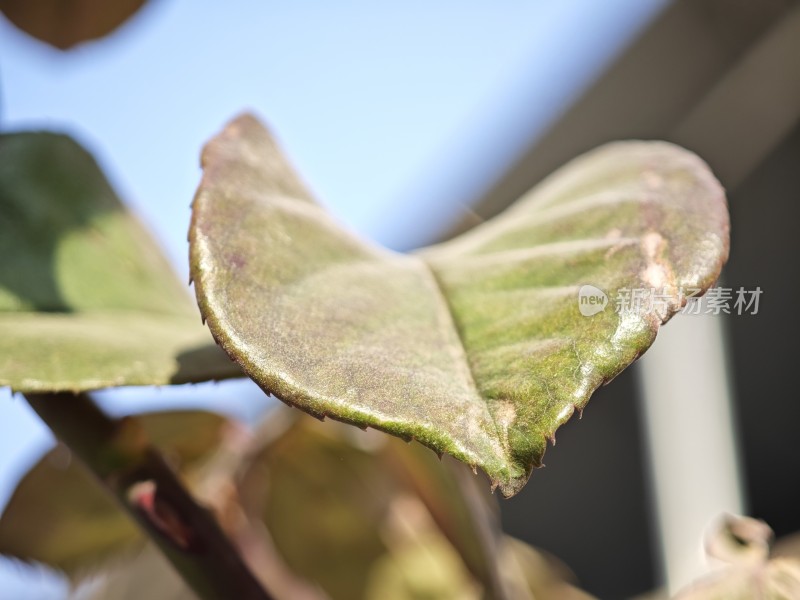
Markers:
point(86, 299)
point(64, 23)
point(475, 347)
point(60, 516)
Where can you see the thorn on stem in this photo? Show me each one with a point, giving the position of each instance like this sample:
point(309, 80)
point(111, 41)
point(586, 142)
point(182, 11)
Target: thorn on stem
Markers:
point(144, 497)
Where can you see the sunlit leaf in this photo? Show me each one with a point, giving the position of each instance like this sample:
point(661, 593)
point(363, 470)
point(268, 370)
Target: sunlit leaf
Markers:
point(86, 298)
point(475, 347)
point(64, 23)
point(59, 514)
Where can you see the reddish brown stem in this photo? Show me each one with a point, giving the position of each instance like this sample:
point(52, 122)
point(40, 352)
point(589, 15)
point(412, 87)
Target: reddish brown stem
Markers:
point(128, 466)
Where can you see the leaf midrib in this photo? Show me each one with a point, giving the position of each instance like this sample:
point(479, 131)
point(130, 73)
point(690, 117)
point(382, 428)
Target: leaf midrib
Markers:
point(461, 356)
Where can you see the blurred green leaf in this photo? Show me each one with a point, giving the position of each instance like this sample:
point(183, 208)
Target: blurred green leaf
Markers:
point(322, 499)
point(457, 501)
point(534, 575)
point(421, 565)
point(86, 298)
point(424, 569)
point(145, 575)
point(64, 23)
point(364, 515)
point(475, 347)
point(60, 515)
point(337, 508)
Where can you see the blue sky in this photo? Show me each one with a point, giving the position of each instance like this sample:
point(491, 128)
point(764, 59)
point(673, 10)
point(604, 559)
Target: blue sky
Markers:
point(396, 116)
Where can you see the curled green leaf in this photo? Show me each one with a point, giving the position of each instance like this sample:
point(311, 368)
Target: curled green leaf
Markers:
point(476, 347)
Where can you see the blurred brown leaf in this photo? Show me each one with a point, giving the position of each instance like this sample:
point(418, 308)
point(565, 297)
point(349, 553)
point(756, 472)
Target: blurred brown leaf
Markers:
point(742, 543)
point(65, 23)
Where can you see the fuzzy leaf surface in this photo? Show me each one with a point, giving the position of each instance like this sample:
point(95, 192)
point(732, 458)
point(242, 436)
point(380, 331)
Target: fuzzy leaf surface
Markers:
point(475, 347)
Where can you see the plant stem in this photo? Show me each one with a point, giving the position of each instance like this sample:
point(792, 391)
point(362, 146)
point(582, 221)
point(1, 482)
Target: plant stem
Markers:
point(119, 454)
